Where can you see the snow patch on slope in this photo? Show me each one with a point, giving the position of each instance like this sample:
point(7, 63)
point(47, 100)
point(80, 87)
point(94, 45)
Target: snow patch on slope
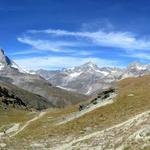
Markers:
point(140, 67)
point(1, 66)
point(64, 88)
point(14, 65)
point(105, 73)
point(74, 74)
point(89, 91)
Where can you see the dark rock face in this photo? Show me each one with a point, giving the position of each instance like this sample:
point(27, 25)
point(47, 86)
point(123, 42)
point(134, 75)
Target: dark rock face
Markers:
point(98, 98)
point(12, 96)
point(13, 102)
point(106, 93)
point(10, 100)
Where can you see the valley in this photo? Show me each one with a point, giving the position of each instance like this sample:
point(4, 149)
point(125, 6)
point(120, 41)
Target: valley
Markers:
point(75, 75)
point(37, 114)
point(117, 124)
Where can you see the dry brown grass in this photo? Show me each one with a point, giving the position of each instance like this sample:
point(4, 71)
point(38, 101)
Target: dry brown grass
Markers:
point(124, 107)
point(14, 116)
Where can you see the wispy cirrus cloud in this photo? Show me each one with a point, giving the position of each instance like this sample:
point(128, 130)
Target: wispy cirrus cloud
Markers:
point(123, 40)
point(75, 44)
point(57, 62)
point(24, 52)
point(44, 44)
point(140, 55)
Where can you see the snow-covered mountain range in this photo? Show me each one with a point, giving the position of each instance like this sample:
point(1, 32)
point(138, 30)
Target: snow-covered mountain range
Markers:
point(89, 78)
point(85, 79)
point(11, 73)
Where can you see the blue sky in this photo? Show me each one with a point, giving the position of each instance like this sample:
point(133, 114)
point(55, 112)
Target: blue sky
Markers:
point(55, 34)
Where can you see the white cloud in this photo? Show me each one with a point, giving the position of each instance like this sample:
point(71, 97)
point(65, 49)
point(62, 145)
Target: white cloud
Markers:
point(60, 62)
point(63, 40)
point(23, 52)
point(42, 44)
point(124, 40)
point(140, 56)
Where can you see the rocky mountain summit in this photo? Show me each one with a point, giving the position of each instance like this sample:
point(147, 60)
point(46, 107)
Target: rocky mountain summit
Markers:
point(85, 79)
point(11, 73)
point(6, 63)
point(89, 78)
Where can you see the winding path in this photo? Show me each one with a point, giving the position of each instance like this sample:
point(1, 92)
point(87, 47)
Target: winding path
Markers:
point(41, 114)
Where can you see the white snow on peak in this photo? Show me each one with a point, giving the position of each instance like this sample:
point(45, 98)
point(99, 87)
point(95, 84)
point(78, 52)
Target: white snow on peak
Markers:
point(114, 71)
point(138, 66)
point(1, 66)
point(91, 65)
point(30, 72)
point(14, 65)
point(74, 74)
point(141, 67)
point(105, 73)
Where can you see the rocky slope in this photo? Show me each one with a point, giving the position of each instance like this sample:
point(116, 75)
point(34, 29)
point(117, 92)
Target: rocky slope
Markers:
point(121, 124)
point(14, 97)
point(12, 73)
point(89, 78)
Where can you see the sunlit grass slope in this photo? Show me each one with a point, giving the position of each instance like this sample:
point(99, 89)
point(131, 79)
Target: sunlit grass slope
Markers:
point(133, 97)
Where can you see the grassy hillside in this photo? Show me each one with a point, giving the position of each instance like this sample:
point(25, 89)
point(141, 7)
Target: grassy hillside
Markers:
point(133, 98)
point(14, 116)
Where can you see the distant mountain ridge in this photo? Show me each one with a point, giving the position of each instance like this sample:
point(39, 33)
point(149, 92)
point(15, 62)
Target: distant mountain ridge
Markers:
point(11, 73)
point(89, 78)
point(85, 79)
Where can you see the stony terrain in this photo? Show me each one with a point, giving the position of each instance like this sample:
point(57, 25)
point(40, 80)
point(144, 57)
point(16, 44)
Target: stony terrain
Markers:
point(116, 121)
point(131, 134)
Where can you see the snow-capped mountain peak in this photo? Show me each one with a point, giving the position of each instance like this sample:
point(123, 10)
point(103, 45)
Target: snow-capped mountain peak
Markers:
point(82, 78)
point(89, 78)
point(89, 65)
point(6, 62)
point(138, 66)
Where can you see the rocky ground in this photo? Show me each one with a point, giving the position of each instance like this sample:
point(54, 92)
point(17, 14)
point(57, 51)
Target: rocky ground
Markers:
point(131, 134)
point(116, 121)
